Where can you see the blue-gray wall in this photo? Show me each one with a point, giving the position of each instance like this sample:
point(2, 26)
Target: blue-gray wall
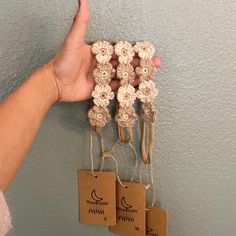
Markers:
point(194, 157)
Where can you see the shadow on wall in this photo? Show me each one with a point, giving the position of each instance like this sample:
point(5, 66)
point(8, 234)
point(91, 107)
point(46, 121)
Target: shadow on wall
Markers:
point(73, 116)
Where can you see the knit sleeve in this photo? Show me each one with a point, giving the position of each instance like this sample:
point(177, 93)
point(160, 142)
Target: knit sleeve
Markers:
point(5, 218)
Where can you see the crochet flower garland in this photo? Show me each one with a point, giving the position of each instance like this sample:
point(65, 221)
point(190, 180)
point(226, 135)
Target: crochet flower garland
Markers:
point(146, 72)
point(126, 95)
point(99, 115)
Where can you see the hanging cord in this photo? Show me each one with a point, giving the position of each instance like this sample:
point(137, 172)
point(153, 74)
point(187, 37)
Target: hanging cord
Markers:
point(154, 197)
point(91, 147)
point(151, 177)
point(106, 154)
point(134, 172)
point(147, 156)
point(110, 154)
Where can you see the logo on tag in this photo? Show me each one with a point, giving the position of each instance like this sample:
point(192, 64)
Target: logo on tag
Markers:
point(150, 231)
point(96, 204)
point(126, 211)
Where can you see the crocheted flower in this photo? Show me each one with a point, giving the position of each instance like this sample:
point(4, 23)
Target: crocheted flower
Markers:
point(103, 51)
point(126, 117)
point(99, 116)
point(103, 73)
point(149, 112)
point(125, 52)
point(102, 94)
point(125, 72)
point(147, 91)
point(126, 95)
point(145, 50)
point(146, 71)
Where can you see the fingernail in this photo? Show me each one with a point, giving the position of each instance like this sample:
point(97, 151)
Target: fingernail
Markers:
point(157, 62)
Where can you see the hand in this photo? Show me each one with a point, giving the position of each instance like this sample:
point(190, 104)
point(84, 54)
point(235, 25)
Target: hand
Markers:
point(74, 63)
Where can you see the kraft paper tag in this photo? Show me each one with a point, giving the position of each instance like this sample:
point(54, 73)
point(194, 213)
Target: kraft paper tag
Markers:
point(97, 197)
point(130, 207)
point(157, 219)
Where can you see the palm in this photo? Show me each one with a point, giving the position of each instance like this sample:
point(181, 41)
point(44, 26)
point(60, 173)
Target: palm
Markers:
point(73, 66)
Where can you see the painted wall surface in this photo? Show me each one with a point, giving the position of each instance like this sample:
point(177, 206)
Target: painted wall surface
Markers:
point(195, 150)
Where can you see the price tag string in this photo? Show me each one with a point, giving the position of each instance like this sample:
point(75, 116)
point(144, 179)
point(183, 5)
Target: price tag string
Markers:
point(107, 154)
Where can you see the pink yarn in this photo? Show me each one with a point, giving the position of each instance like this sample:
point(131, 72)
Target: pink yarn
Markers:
point(5, 218)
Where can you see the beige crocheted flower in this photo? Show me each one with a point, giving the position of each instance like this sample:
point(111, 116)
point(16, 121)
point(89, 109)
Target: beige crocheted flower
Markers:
point(146, 71)
point(103, 51)
point(145, 50)
point(103, 73)
point(126, 117)
point(147, 91)
point(99, 116)
point(125, 52)
point(125, 72)
point(102, 94)
point(149, 112)
point(126, 95)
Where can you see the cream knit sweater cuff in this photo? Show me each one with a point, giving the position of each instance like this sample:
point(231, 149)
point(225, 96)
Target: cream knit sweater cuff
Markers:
point(5, 218)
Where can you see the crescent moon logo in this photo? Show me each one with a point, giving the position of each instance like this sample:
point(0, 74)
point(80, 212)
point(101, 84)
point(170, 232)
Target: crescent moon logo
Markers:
point(97, 204)
point(125, 204)
point(95, 197)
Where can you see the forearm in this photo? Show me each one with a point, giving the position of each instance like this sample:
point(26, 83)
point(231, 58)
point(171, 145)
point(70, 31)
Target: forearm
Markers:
point(21, 114)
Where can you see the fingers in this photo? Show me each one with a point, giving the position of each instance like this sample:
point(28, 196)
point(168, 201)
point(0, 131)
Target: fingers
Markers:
point(156, 61)
point(114, 56)
point(79, 27)
point(136, 62)
point(115, 83)
point(136, 82)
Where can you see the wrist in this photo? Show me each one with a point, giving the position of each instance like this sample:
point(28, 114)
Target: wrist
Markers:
point(47, 82)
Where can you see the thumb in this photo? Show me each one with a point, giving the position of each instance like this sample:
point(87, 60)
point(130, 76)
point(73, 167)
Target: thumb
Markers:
point(79, 27)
